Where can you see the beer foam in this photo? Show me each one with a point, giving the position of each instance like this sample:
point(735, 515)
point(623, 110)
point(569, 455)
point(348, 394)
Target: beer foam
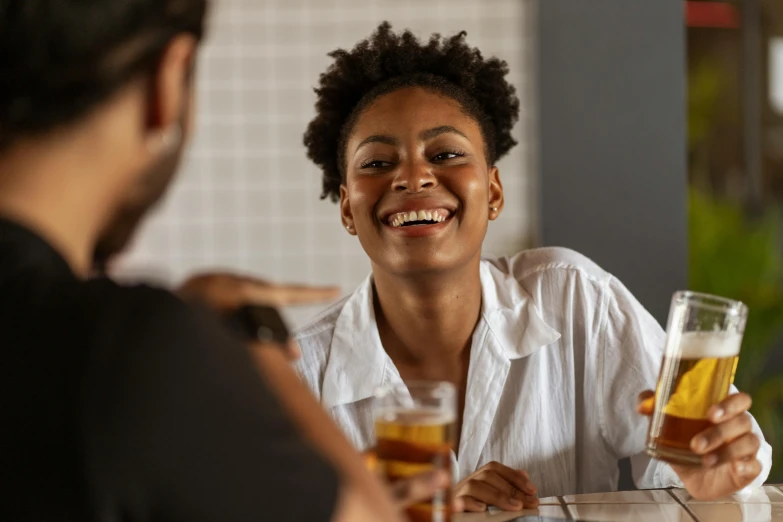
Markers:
point(419, 416)
point(701, 345)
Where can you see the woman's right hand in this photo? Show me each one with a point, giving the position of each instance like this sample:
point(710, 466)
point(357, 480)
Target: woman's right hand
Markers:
point(497, 485)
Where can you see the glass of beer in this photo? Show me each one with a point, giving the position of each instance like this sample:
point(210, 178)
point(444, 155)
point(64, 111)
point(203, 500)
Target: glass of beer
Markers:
point(415, 432)
point(703, 341)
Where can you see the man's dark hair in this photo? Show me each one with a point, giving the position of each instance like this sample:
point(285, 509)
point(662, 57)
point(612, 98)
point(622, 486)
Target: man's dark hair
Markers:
point(386, 62)
point(59, 59)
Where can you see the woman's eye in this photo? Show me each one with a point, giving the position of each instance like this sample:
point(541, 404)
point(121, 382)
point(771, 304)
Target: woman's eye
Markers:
point(375, 164)
point(444, 156)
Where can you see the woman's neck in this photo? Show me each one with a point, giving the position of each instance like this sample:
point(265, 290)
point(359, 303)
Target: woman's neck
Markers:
point(428, 319)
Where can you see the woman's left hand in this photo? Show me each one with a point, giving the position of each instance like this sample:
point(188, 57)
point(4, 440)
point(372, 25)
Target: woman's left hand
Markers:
point(728, 449)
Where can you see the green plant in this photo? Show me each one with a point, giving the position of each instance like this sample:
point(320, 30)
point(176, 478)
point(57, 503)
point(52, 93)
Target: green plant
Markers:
point(737, 256)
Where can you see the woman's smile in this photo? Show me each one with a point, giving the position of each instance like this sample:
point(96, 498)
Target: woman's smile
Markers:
point(418, 218)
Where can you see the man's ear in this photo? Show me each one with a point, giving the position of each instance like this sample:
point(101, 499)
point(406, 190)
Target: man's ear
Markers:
point(170, 96)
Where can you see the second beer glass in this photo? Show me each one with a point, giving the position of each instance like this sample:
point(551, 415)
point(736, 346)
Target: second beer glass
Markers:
point(415, 431)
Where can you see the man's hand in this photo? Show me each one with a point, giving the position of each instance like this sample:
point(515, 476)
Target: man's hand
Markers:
point(497, 485)
point(224, 292)
point(422, 487)
point(419, 488)
point(728, 449)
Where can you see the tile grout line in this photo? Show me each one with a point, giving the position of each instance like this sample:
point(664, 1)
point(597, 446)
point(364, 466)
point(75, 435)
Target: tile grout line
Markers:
point(565, 508)
point(684, 505)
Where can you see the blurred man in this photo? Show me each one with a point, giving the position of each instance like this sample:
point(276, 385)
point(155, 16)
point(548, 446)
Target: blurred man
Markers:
point(122, 403)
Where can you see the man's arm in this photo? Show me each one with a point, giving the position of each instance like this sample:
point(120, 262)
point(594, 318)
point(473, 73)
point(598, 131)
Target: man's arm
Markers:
point(224, 292)
point(363, 493)
point(180, 426)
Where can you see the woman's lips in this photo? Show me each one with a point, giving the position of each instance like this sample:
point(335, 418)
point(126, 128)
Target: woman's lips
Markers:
point(425, 223)
point(417, 218)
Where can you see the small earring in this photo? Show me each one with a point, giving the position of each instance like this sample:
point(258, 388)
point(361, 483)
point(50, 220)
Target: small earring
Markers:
point(165, 141)
point(349, 228)
point(494, 209)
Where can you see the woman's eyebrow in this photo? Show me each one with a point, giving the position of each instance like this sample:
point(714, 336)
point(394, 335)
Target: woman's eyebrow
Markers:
point(424, 135)
point(437, 131)
point(378, 138)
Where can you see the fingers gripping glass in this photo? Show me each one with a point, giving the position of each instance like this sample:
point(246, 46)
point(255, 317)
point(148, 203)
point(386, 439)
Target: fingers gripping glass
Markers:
point(415, 431)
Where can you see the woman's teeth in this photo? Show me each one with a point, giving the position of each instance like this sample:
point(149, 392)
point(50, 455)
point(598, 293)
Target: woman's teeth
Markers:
point(420, 217)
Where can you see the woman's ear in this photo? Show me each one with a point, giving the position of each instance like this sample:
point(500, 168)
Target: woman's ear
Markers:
point(346, 215)
point(496, 200)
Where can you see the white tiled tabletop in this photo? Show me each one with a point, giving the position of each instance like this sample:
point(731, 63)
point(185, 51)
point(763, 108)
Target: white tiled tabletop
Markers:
point(759, 505)
point(765, 495)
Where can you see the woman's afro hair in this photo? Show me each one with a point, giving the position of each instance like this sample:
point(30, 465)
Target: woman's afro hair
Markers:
point(386, 62)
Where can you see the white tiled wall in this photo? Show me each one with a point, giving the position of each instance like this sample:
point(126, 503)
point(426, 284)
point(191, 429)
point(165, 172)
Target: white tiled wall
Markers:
point(247, 197)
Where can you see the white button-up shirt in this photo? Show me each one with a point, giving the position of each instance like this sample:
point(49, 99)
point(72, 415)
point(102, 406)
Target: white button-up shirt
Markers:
point(558, 357)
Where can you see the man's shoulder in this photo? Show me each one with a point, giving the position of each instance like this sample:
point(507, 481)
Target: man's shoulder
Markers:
point(156, 325)
point(85, 308)
point(110, 293)
point(104, 320)
point(138, 310)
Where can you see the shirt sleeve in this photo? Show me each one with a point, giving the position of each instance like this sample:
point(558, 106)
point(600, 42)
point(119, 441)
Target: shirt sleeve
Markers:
point(633, 344)
point(181, 427)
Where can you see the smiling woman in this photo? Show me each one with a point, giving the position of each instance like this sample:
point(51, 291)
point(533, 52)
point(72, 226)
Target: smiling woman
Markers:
point(417, 151)
point(548, 352)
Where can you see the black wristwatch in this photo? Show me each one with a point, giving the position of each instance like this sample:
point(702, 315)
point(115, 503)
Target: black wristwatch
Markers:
point(255, 323)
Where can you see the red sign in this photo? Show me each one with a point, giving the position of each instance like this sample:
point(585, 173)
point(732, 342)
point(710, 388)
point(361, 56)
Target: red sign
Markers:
point(721, 15)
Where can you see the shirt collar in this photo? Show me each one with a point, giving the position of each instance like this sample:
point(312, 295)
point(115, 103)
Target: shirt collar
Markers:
point(25, 251)
point(511, 314)
point(358, 364)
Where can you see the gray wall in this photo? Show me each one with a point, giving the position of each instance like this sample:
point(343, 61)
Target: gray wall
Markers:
point(612, 159)
point(612, 137)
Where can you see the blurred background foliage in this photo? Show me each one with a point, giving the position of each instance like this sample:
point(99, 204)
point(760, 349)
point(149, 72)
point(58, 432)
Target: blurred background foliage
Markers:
point(735, 243)
point(738, 256)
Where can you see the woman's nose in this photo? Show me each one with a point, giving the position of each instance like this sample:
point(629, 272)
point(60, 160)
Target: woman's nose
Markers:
point(414, 178)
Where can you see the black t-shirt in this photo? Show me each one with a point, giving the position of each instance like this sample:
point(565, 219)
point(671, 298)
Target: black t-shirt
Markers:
point(122, 404)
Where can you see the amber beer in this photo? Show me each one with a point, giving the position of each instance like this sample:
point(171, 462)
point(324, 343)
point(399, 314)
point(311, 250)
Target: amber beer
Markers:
point(697, 371)
point(415, 438)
